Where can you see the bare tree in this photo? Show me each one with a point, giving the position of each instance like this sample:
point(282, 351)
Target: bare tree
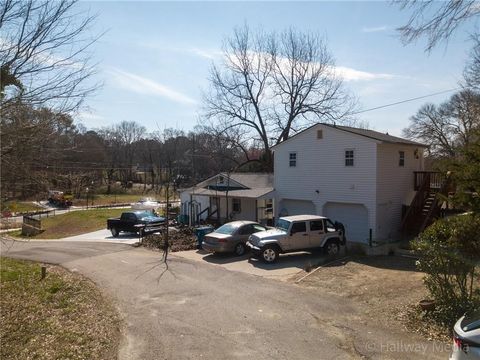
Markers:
point(44, 54)
point(436, 20)
point(272, 85)
point(472, 70)
point(447, 128)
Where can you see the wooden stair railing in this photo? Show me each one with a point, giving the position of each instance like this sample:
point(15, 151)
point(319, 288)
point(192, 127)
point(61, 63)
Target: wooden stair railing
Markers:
point(207, 209)
point(436, 205)
point(417, 204)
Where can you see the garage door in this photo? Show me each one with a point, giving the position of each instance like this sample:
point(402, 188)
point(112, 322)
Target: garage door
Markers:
point(353, 216)
point(297, 207)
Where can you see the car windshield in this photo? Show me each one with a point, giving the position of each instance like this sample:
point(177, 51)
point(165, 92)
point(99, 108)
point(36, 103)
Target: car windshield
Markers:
point(144, 214)
point(227, 229)
point(283, 224)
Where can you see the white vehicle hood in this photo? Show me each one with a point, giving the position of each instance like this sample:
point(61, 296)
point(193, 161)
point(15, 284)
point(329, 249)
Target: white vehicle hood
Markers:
point(268, 234)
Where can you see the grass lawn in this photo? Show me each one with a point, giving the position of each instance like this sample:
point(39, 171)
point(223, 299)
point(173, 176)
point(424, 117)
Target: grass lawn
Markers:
point(75, 223)
point(19, 206)
point(102, 199)
point(63, 316)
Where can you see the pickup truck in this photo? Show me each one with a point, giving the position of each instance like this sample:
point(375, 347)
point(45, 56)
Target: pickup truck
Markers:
point(294, 233)
point(141, 222)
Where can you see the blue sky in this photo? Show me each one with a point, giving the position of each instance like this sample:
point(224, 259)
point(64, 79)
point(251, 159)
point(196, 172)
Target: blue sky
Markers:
point(155, 57)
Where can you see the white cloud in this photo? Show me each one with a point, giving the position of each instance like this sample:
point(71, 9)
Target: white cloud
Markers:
point(375, 29)
point(346, 73)
point(349, 74)
point(138, 84)
point(208, 54)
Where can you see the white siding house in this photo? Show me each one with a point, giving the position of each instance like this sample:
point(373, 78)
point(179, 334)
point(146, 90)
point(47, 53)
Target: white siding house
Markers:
point(358, 177)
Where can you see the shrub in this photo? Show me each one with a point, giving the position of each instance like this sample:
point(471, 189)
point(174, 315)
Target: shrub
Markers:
point(449, 252)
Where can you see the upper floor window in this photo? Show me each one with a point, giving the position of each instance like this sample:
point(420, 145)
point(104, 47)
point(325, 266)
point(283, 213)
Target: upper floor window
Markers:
point(401, 158)
point(349, 157)
point(292, 159)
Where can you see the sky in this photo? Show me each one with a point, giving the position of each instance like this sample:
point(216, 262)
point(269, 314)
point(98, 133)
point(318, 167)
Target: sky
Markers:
point(154, 57)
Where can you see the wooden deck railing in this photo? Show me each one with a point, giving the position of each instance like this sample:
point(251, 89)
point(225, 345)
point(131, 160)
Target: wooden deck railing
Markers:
point(436, 179)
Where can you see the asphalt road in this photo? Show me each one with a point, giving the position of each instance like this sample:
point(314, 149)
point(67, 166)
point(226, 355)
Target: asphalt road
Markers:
point(194, 310)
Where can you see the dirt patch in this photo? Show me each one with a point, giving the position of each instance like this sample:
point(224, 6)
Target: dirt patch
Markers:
point(388, 288)
point(63, 316)
point(180, 240)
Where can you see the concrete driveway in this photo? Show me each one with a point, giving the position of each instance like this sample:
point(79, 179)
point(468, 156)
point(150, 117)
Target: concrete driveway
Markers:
point(105, 236)
point(287, 266)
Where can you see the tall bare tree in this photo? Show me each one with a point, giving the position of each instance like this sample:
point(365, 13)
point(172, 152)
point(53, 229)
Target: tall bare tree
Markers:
point(472, 70)
point(272, 85)
point(44, 54)
point(448, 128)
point(436, 20)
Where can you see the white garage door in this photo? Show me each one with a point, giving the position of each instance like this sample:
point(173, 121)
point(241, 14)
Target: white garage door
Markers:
point(297, 207)
point(353, 216)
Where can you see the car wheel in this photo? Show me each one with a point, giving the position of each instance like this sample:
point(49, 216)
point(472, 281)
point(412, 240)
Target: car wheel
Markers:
point(270, 254)
point(114, 232)
point(240, 249)
point(331, 247)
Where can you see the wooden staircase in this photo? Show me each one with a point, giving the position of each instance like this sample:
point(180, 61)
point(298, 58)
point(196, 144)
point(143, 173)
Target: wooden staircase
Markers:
point(425, 208)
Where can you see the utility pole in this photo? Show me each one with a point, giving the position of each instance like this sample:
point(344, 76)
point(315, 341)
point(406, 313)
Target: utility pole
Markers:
point(191, 222)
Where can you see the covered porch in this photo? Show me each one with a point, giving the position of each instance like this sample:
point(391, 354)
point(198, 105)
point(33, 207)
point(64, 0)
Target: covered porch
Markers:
point(218, 207)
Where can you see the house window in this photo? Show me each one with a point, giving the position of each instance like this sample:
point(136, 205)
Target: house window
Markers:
point(401, 158)
point(349, 156)
point(293, 159)
point(319, 134)
point(236, 205)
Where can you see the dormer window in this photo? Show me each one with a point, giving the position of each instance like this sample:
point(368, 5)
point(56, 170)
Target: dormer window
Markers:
point(221, 179)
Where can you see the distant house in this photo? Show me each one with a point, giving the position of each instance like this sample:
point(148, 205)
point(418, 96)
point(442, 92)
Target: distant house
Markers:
point(230, 196)
point(362, 178)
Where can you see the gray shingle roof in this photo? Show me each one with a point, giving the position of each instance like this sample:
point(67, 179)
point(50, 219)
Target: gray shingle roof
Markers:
point(376, 135)
point(372, 134)
point(245, 193)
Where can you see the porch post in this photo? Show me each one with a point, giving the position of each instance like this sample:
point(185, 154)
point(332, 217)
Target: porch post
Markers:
point(256, 210)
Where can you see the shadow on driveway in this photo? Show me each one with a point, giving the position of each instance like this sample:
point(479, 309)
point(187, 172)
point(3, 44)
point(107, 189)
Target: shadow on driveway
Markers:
point(286, 266)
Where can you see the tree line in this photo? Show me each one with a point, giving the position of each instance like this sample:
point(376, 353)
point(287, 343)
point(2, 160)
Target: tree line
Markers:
point(59, 154)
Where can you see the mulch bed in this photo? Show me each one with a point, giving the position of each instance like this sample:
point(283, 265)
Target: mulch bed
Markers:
point(180, 240)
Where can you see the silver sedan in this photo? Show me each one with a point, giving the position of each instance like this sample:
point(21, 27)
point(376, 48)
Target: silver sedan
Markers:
point(231, 237)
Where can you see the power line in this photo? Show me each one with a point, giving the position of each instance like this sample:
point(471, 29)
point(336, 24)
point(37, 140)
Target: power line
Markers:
point(405, 101)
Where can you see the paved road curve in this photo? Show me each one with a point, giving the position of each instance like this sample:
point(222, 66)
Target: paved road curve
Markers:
point(195, 310)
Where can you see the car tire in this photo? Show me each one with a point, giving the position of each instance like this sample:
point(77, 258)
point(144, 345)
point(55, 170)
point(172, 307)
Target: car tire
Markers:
point(270, 254)
point(240, 249)
point(114, 232)
point(331, 248)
